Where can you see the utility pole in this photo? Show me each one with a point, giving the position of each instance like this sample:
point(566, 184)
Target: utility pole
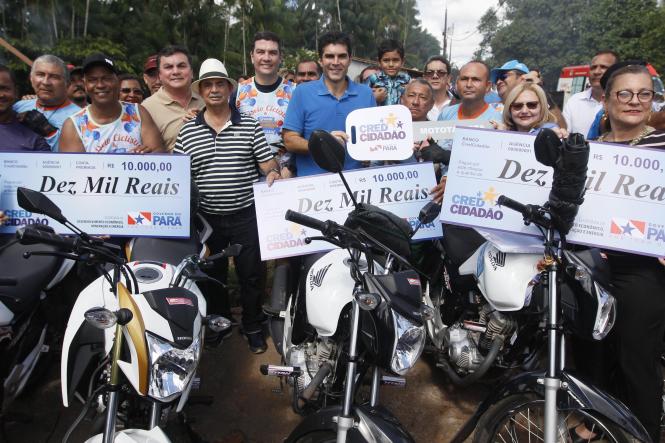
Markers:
point(445, 31)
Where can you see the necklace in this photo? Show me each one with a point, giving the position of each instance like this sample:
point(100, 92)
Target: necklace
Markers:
point(646, 131)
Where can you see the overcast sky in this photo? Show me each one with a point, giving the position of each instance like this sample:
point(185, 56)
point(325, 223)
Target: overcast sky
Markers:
point(464, 15)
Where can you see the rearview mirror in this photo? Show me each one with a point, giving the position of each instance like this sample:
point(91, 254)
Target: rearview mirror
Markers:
point(38, 203)
point(429, 212)
point(326, 151)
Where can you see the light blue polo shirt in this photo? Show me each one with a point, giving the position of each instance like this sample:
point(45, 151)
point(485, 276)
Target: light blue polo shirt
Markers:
point(312, 107)
point(56, 116)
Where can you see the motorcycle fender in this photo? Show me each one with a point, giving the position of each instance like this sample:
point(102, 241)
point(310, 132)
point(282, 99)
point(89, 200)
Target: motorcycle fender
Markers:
point(576, 395)
point(329, 288)
point(374, 425)
point(155, 435)
point(94, 295)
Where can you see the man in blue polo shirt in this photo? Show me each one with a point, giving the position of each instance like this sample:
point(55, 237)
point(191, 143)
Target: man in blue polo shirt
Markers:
point(325, 103)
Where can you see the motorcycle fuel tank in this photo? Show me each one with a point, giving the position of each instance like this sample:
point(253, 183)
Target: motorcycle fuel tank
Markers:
point(329, 287)
point(503, 278)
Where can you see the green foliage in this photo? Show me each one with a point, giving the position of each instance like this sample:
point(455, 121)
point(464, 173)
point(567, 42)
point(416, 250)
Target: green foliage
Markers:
point(131, 30)
point(550, 35)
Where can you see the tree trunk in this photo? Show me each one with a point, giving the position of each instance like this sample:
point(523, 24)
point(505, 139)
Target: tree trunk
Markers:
point(244, 49)
point(72, 26)
point(85, 21)
point(339, 16)
point(55, 22)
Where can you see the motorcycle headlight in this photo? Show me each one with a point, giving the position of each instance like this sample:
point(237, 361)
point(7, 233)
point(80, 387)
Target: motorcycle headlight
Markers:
point(606, 313)
point(409, 344)
point(171, 368)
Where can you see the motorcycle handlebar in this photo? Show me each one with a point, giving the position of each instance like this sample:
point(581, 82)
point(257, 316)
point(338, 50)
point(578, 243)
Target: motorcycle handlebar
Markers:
point(30, 236)
point(305, 220)
point(512, 204)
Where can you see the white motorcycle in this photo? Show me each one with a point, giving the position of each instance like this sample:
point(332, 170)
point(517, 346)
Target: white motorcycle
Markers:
point(135, 335)
point(353, 317)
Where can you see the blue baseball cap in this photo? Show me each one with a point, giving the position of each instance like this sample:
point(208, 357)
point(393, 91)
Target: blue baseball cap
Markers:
point(512, 65)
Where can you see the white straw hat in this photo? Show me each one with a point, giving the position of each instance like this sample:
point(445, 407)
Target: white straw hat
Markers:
point(212, 68)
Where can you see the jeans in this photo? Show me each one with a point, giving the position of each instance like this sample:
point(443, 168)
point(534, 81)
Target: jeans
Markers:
point(239, 227)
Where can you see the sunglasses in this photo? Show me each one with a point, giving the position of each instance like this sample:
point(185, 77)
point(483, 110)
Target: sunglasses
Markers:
point(504, 75)
point(308, 74)
point(130, 90)
point(518, 106)
point(439, 73)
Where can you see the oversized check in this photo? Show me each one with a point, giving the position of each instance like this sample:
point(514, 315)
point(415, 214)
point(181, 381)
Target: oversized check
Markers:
point(402, 189)
point(443, 130)
point(114, 194)
point(624, 205)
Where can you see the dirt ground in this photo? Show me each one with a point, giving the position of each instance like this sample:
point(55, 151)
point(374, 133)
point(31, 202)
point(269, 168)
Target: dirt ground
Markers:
point(249, 407)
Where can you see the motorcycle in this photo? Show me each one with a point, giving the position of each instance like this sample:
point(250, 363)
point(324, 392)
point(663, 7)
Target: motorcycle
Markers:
point(353, 316)
point(549, 405)
point(26, 325)
point(135, 335)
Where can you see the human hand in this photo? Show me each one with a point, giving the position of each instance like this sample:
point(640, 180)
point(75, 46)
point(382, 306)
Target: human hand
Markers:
point(285, 172)
point(191, 114)
point(498, 125)
point(272, 176)
point(341, 136)
point(3, 218)
point(560, 132)
point(662, 260)
point(144, 150)
point(29, 97)
point(438, 190)
point(380, 94)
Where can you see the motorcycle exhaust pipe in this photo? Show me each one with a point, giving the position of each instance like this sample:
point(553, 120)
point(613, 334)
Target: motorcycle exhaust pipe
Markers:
point(496, 346)
point(280, 371)
point(311, 388)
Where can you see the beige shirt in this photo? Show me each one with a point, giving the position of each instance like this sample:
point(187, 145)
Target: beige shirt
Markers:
point(168, 113)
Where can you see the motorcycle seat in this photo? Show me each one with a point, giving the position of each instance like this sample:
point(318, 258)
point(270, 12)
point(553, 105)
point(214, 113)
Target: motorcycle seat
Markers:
point(31, 275)
point(164, 250)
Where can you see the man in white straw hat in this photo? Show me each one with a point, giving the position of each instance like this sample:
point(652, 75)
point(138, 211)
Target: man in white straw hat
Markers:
point(228, 150)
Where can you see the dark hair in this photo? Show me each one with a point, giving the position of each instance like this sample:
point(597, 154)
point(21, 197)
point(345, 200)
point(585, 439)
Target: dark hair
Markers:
point(127, 76)
point(359, 77)
point(630, 69)
point(12, 77)
point(334, 38)
point(318, 66)
point(388, 46)
point(267, 35)
point(485, 65)
point(437, 58)
point(606, 51)
point(170, 50)
point(420, 81)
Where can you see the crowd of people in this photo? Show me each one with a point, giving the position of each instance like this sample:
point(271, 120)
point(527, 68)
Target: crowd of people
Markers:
point(237, 132)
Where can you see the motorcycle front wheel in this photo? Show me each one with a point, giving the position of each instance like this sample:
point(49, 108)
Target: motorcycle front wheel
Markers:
point(318, 437)
point(520, 418)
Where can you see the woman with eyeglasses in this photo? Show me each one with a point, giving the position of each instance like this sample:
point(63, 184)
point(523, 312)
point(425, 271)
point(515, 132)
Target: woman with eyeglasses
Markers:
point(628, 362)
point(130, 89)
point(526, 110)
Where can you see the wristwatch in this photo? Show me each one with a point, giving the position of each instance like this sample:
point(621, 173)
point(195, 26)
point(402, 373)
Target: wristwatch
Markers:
point(274, 170)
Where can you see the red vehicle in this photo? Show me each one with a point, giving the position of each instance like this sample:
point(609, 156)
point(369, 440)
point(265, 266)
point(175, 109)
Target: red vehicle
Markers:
point(574, 79)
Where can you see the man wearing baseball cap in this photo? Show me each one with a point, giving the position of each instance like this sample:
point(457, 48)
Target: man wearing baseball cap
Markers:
point(151, 74)
point(507, 77)
point(107, 125)
point(228, 150)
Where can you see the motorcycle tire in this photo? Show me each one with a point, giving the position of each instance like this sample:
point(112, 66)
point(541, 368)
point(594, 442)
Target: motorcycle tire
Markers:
point(318, 437)
point(519, 418)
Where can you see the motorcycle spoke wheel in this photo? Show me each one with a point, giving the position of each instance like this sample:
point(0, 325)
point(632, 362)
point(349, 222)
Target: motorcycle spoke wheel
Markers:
point(521, 419)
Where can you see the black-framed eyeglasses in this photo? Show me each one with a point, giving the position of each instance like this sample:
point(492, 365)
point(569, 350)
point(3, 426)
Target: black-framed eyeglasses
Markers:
point(516, 106)
point(438, 72)
point(643, 96)
point(307, 73)
point(130, 90)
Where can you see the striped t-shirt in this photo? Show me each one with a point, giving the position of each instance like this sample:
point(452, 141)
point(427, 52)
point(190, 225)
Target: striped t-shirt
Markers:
point(224, 164)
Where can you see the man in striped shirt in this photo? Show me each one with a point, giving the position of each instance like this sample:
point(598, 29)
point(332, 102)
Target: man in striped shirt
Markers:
point(228, 150)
